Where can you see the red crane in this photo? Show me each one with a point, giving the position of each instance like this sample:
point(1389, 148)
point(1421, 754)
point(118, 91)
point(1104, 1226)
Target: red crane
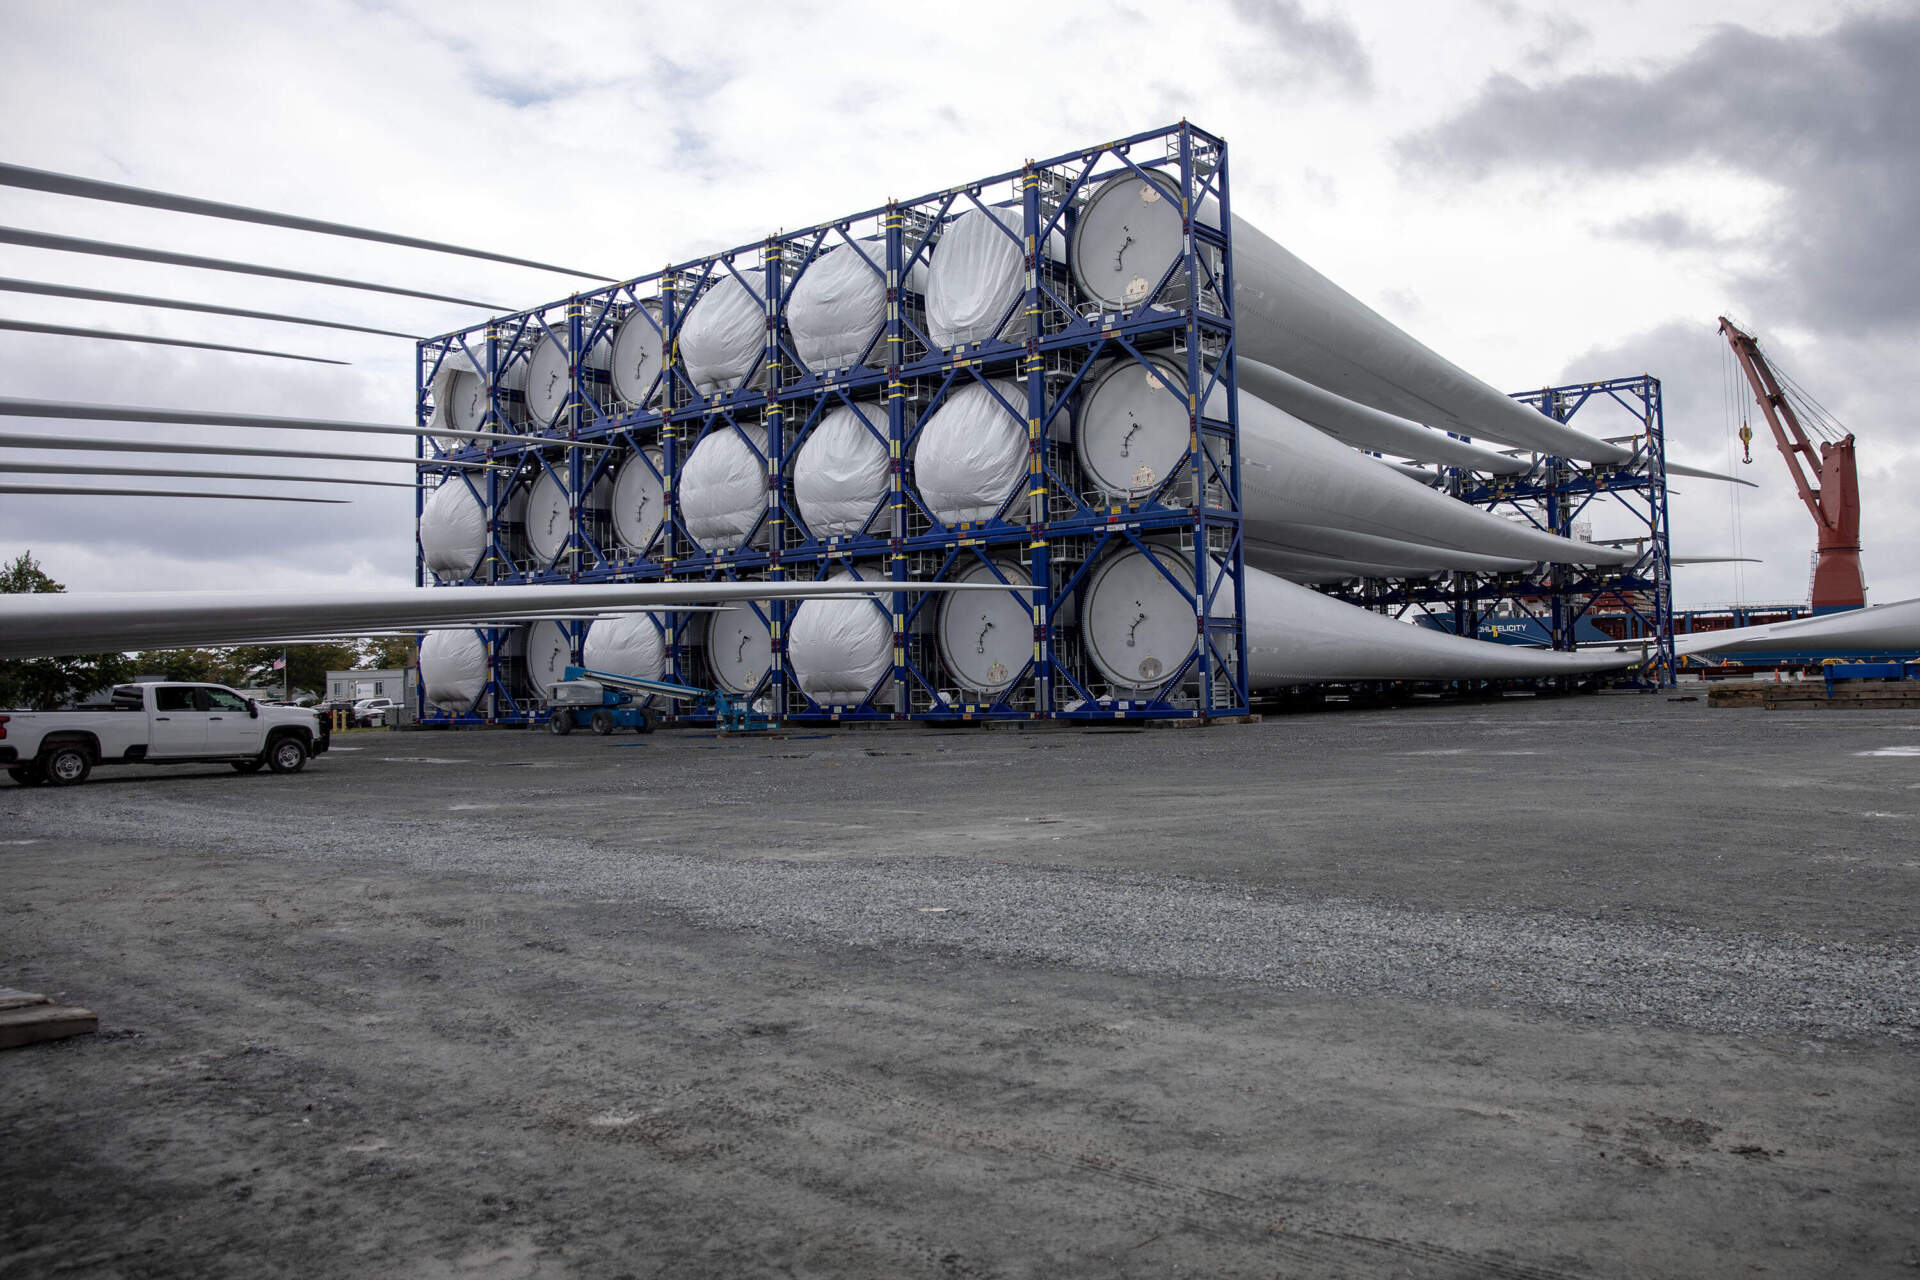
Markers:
point(1832, 494)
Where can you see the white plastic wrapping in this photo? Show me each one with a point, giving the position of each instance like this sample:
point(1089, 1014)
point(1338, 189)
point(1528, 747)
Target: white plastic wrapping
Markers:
point(725, 333)
point(629, 645)
point(461, 401)
point(549, 654)
point(638, 501)
point(723, 488)
point(972, 453)
point(840, 474)
point(638, 352)
point(453, 532)
point(453, 669)
point(976, 278)
point(840, 650)
point(549, 378)
point(837, 312)
point(456, 382)
point(986, 637)
point(739, 648)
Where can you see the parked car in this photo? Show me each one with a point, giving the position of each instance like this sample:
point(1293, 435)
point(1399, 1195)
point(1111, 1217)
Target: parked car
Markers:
point(159, 722)
point(371, 711)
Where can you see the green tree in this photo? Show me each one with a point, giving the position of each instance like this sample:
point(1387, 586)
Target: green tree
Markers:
point(200, 666)
point(388, 653)
point(45, 683)
point(307, 665)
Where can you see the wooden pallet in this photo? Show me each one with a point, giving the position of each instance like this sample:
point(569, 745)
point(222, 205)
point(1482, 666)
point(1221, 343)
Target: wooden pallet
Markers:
point(1811, 695)
point(28, 1018)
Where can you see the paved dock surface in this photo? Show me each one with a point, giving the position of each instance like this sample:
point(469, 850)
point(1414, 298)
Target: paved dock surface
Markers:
point(1581, 987)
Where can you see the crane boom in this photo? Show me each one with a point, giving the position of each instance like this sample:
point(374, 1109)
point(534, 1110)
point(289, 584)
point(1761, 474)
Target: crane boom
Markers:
point(1827, 481)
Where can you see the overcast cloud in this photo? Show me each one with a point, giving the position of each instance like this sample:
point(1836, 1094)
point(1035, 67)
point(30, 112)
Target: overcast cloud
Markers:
point(1538, 191)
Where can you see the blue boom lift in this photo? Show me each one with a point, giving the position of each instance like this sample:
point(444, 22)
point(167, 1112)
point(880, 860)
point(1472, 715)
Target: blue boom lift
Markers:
point(603, 702)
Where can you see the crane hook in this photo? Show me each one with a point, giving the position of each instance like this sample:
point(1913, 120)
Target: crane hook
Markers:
point(1746, 442)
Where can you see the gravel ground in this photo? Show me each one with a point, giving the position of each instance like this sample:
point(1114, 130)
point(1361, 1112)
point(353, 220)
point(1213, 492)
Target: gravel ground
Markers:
point(1599, 986)
point(1154, 925)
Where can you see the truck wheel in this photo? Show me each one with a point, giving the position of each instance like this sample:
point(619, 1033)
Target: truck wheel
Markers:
point(250, 766)
point(602, 722)
point(28, 776)
point(645, 723)
point(561, 724)
point(66, 766)
point(286, 755)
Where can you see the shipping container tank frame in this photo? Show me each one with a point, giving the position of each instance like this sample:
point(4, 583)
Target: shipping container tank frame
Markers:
point(1053, 514)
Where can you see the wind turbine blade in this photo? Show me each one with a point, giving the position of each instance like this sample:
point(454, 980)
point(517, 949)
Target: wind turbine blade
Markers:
point(45, 290)
point(25, 440)
point(134, 253)
point(49, 623)
point(92, 491)
point(1701, 473)
point(96, 469)
point(462, 624)
point(110, 335)
point(14, 407)
point(14, 175)
point(1881, 628)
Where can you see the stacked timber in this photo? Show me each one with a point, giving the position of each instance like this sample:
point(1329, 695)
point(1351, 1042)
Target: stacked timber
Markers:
point(1811, 695)
point(27, 1017)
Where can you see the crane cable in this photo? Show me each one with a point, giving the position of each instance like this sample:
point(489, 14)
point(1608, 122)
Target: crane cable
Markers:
point(1733, 407)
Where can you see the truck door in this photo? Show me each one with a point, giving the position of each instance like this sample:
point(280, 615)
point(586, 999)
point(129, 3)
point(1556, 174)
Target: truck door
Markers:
point(178, 727)
point(231, 730)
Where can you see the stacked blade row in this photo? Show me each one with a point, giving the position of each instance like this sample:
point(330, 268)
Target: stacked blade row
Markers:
point(1036, 389)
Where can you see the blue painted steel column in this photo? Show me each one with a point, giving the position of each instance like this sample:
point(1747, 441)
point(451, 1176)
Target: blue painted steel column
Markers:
point(421, 418)
point(1666, 670)
point(772, 278)
point(1237, 566)
point(668, 439)
point(1196, 437)
point(1033, 369)
point(576, 479)
point(896, 257)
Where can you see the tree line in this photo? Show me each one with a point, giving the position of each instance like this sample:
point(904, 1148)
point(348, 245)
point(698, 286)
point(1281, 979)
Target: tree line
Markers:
point(45, 683)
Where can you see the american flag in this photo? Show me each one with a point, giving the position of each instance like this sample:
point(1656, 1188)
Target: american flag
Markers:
point(280, 664)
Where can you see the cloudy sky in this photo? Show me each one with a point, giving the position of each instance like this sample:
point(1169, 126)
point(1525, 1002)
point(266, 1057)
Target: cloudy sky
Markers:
point(1541, 192)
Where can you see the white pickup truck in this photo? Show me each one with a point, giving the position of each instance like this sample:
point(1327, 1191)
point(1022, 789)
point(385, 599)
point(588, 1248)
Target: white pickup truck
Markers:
point(161, 722)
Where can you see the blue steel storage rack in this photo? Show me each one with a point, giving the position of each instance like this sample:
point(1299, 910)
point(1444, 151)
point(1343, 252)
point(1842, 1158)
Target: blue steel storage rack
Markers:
point(1055, 528)
point(1551, 601)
